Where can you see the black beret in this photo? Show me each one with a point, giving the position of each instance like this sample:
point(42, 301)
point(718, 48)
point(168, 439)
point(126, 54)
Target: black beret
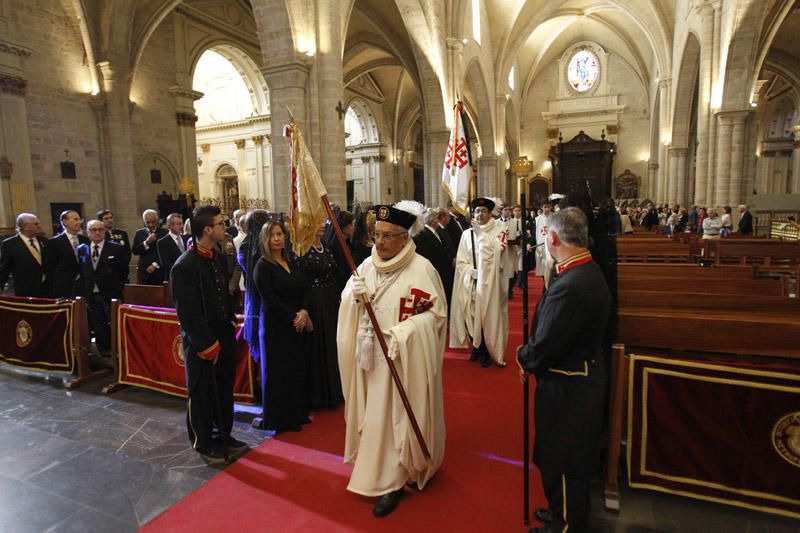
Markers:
point(394, 216)
point(482, 202)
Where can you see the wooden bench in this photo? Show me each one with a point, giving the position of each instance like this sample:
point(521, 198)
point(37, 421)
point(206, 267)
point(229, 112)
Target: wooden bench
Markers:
point(743, 287)
point(647, 252)
point(678, 270)
point(701, 302)
point(766, 252)
point(150, 295)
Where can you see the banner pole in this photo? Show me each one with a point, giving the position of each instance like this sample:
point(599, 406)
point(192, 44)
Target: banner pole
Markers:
point(378, 333)
point(526, 456)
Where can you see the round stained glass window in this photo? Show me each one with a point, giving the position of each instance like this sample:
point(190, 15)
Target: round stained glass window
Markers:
point(583, 70)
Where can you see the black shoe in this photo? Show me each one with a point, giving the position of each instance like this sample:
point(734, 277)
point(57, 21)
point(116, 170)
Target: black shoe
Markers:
point(475, 355)
point(212, 455)
point(235, 445)
point(543, 515)
point(387, 503)
point(485, 362)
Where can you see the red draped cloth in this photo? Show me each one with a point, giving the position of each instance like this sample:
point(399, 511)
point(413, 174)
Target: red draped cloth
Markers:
point(36, 333)
point(151, 354)
point(722, 432)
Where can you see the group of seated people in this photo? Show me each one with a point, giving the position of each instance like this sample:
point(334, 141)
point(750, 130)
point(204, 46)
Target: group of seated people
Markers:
point(676, 219)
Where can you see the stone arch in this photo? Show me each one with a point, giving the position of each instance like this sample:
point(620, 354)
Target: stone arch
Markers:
point(243, 61)
point(76, 11)
point(685, 88)
point(748, 50)
point(366, 119)
point(480, 105)
point(146, 190)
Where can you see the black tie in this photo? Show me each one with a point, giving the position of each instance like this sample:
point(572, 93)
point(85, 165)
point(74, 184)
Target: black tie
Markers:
point(33, 244)
point(95, 255)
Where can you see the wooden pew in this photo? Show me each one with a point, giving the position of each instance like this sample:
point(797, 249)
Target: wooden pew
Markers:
point(678, 270)
point(766, 252)
point(743, 287)
point(150, 295)
point(631, 251)
point(702, 302)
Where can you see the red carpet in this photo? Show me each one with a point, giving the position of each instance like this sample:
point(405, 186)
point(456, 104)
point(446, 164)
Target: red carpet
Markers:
point(297, 482)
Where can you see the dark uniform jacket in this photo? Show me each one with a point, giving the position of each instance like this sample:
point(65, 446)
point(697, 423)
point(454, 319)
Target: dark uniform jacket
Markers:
point(17, 261)
point(435, 251)
point(148, 256)
point(121, 237)
point(199, 291)
point(61, 266)
point(570, 321)
point(110, 273)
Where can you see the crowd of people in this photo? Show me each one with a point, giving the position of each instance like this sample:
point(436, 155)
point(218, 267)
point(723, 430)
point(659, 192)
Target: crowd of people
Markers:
point(705, 221)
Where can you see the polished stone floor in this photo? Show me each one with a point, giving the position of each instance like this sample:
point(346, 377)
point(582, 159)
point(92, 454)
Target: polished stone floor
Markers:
point(81, 461)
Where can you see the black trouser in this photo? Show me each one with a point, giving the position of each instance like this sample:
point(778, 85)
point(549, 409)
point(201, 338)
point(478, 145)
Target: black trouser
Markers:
point(201, 416)
point(568, 420)
point(98, 311)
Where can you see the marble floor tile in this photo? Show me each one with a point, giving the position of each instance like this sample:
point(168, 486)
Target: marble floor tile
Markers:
point(86, 520)
point(26, 508)
point(25, 451)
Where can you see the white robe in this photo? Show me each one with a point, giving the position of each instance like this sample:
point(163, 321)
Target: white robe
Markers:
point(511, 260)
point(379, 438)
point(543, 260)
point(480, 310)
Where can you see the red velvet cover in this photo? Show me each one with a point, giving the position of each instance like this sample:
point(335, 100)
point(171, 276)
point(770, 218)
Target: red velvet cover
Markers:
point(151, 356)
point(36, 333)
point(716, 431)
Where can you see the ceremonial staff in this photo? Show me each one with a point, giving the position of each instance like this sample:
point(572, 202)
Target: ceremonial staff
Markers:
point(293, 136)
point(526, 474)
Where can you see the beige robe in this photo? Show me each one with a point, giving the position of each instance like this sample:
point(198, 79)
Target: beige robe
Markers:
point(479, 310)
point(380, 439)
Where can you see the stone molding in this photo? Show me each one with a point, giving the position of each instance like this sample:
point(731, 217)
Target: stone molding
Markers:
point(185, 92)
point(13, 85)
point(14, 49)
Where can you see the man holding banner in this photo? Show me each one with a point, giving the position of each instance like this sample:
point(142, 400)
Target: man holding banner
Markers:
point(205, 311)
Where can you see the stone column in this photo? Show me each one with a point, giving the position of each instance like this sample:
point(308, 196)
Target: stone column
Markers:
point(677, 175)
point(205, 173)
point(702, 182)
point(122, 180)
point(662, 187)
point(736, 194)
point(258, 191)
point(723, 171)
point(287, 91)
point(665, 124)
point(187, 138)
point(241, 165)
point(435, 148)
point(487, 176)
point(794, 187)
point(652, 178)
point(17, 191)
point(713, 153)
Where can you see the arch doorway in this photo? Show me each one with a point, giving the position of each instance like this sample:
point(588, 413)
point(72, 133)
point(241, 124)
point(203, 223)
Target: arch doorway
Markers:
point(229, 188)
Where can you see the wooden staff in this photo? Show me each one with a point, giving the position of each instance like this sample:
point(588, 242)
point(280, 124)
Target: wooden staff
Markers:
point(378, 332)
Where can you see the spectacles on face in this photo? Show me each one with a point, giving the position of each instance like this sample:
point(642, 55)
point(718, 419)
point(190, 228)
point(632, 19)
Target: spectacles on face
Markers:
point(97, 230)
point(220, 223)
point(386, 236)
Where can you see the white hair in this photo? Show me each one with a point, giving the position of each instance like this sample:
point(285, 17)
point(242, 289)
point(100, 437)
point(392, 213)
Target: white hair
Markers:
point(149, 212)
point(416, 209)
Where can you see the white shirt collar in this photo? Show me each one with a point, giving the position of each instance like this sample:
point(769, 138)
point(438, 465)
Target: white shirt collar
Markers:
point(99, 246)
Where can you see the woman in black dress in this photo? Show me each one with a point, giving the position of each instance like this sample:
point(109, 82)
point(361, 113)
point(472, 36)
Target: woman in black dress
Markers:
point(319, 267)
point(361, 243)
point(285, 327)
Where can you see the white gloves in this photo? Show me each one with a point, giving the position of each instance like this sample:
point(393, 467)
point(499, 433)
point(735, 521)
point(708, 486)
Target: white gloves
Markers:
point(359, 286)
point(474, 274)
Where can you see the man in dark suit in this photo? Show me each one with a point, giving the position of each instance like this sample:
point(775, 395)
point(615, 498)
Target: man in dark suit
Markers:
point(442, 221)
point(61, 258)
point(456, 226)
point(745, 220)
point(430, 246)
point(21, 258)
point(172, 245)
point(103, 270)
point(565, 353)
point(144, 245)
point(117, 235)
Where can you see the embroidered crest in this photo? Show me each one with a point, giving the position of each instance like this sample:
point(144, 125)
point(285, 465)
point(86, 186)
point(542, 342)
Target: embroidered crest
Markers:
point(383, 213)
point(418, 302)
point(24, 334)
point(177, 350)
point(786, 438)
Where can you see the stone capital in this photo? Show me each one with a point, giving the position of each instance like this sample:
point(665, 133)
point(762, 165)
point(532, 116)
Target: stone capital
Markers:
point(97, 101)
point(240, 143)
point(13, 85)
point(293, 74)
point(6, 168)
point(186, 119)
point(733, 117)
point(652, 166)
point(455, 44)
point(205, 148)
point(678, 152)
point(258, 139)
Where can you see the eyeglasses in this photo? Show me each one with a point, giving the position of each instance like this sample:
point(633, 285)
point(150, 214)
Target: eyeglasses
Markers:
point(98, 230)
point(386, 236)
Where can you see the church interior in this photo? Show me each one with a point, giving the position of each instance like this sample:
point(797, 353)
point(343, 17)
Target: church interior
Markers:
point(130, 105)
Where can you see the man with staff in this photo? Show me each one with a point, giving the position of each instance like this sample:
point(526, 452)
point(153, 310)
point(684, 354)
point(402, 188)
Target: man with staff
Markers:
point(409, 303)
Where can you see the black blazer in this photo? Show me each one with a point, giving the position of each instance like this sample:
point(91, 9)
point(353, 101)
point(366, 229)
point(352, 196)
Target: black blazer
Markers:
point(450, 246)
point(17, 260)
point(61, 266)
point(120, 237)
point(148, 256)
point(454, 231)
point(429, 247)
point(109, 274)
point(746, 223)
point(168, 252)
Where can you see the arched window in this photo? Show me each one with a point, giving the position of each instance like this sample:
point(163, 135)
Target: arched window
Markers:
point(359, 124)
point(226, 97)
point(583, 70)
point(476, 20)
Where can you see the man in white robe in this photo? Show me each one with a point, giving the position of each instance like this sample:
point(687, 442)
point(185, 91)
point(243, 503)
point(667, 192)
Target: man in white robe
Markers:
point(407, 296)
point(543, 260)
point(510, 264)
point(479, 307)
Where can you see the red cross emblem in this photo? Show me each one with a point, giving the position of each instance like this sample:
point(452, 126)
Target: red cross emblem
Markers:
point(460, 159)
point(418, 302)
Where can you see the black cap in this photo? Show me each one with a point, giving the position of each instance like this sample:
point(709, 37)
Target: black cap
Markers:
point(482, 202)
point(394, 216)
